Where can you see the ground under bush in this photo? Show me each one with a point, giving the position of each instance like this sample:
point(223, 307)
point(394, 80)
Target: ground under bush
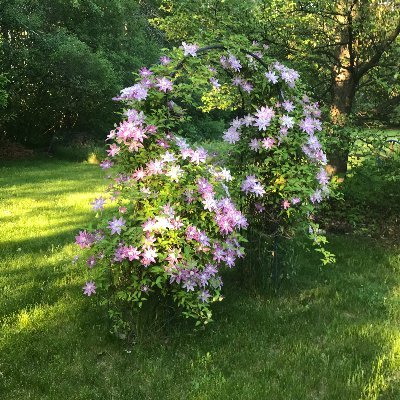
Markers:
point(328, 333)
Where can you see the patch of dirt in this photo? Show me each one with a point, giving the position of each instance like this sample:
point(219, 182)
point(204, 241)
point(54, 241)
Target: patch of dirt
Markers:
point(387, 228)
point(14, 151)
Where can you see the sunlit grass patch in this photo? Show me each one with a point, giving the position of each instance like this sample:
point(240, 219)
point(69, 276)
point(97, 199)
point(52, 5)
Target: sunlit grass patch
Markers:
point(328, 333)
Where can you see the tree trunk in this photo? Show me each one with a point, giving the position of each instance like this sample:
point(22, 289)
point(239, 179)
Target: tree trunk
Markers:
point(344, 84)
point(344, 88)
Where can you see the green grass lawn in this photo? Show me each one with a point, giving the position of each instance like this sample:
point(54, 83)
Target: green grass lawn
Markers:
point(329, 333)
point(374, 142)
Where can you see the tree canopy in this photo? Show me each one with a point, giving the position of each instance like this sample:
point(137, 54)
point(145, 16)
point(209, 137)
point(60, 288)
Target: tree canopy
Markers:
point(347, 49)
point(65, 60)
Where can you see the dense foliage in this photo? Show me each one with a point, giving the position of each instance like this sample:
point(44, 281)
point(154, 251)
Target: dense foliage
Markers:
point(3, 92)
point(64, 60)
point(172, 225)
point(336, 45)
point(369, 197)
point(315, 36)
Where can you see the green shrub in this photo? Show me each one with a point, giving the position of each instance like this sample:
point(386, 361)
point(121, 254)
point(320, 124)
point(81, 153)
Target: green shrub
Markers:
point(90, 152)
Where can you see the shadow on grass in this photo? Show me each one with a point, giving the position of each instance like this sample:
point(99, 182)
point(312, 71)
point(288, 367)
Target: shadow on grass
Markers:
point(319, 336)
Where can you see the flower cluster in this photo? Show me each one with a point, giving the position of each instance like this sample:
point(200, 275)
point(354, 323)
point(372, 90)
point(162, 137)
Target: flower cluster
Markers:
point(285, 128)
point(277, 138)
point(282, 159)
point(140, 90)
point(167, 224)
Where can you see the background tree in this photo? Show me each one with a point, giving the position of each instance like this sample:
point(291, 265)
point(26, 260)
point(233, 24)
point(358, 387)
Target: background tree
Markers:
point(65, 60)
point(3, 92)
point(337, 43)
point(378, 95)
point(344, 39)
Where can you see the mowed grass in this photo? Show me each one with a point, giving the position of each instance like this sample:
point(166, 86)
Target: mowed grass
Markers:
point(329, 333)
